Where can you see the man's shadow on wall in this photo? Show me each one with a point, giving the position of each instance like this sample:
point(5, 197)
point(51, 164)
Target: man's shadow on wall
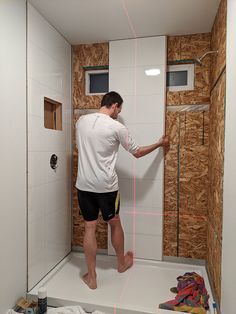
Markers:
point(150, 173)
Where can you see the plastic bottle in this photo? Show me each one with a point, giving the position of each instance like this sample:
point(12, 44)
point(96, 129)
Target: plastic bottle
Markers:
point(42, 300)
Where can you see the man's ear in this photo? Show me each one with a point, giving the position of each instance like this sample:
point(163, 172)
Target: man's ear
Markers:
point(113, 106)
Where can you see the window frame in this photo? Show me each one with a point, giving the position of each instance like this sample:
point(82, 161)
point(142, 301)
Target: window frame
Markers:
point(87, 81)
point(190, 76)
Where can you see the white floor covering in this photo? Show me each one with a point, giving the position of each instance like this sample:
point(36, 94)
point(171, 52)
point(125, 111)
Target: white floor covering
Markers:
point(138, 290)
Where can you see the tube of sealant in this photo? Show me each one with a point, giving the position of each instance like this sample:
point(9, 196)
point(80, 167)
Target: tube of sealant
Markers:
point(42, 300)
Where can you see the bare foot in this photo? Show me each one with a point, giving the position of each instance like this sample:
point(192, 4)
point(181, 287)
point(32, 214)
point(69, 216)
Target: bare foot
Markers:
point(129, 257)
point(90, 282)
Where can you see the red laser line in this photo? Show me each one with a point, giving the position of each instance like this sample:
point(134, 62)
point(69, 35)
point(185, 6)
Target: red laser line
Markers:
point(183, 216)
point(134, 165)
point(129, 19)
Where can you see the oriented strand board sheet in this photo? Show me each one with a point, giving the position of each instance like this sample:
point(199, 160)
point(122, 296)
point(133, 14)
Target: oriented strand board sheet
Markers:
point(170, 233)
point(216, 156)
point(218, 42)
point(84, 56)
point(214, 253)
point(216, 149)
point(191, 47)
point(186, 182)
point(192, 237)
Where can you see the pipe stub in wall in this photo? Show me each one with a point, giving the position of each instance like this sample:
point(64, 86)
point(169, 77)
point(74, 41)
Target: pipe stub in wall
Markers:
point(54, 161)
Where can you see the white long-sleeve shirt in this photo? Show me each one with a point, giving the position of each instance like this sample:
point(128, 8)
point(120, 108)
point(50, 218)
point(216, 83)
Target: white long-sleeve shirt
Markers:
point(98, 137)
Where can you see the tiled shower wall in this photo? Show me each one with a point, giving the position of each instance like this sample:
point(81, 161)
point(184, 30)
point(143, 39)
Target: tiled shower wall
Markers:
point(49, 191)
point(216, 149)
point(141, 181)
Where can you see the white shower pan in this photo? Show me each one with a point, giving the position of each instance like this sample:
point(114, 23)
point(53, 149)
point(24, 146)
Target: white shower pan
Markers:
point(139, 290)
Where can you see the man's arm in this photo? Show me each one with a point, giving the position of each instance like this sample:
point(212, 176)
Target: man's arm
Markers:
point(144, 150)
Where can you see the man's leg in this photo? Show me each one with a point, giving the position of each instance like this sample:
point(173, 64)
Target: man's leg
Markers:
point(90, 249)
point(117, 239)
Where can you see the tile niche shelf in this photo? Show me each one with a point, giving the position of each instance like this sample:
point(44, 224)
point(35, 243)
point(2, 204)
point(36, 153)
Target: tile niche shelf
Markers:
point(52, 114)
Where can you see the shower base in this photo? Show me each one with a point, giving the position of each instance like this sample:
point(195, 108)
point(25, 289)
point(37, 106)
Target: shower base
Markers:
point(139, 290)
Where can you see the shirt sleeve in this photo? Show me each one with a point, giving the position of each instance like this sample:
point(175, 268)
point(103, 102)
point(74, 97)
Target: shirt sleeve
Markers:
point(126, 140)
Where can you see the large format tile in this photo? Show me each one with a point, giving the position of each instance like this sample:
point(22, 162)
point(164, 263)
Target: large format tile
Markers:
point(139, 109)
point(134, 81)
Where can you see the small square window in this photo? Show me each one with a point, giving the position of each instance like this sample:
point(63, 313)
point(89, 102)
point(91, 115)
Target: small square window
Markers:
point(180, 77)
point(96, 82)
point(52, 114)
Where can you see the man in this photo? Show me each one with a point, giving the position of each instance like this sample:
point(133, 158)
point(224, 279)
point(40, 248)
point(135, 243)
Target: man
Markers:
point(98, 136)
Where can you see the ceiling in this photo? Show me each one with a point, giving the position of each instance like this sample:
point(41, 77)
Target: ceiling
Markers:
point(91, 21)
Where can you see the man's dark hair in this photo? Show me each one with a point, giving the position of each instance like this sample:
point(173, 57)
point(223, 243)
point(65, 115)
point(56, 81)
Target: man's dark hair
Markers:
point(111, 98)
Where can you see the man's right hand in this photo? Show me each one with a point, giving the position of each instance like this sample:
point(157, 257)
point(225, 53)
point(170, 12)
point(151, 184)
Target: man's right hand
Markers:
point(164, 142)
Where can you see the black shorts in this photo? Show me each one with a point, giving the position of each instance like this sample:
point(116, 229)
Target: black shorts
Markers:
point(90, 203)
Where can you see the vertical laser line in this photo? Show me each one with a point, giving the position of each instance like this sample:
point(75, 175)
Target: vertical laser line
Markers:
point(134, 165)
point(135, 102)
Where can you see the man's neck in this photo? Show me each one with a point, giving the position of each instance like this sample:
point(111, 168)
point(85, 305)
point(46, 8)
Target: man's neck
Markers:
point(105, 110)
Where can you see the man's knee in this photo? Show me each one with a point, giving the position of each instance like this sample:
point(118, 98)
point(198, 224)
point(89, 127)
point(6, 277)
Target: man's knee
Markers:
point(114, 221)
point(90, 224)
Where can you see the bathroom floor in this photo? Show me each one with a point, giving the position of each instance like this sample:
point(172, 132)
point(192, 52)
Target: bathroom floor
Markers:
point(139, 290)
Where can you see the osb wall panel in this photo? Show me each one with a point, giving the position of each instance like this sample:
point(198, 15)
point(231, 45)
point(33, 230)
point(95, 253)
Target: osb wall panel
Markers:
point(170, 231)
point(216, 149)
point(186, 184)
point(216, 157)
point(192, 236)
point(194, 128)
point(191, 47)
point(83, 56)
point(218, 42)
point(186, 196)
point(214, 253)
point(193, 186)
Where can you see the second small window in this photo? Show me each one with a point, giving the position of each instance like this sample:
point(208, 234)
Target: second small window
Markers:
point(180, 77)
point(96, 82)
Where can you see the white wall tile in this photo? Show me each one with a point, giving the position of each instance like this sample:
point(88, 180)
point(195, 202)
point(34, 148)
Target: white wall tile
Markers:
point(35, 98)
point(141, 181)
point(35, 129)
point(142, 220)
point(143, 193)
point(54, 237)
point(36, 250)
point(150, 51)
point(144, 246)
point(36, 169)
point(134, 81)
point(138, 109)
point(49, 71)
point(56, 196)
point(137, 52)
point(150, 85)
point(122, 80)
point(36, 202)
point(13, 123)
point(122, 53)
point(146, 133)
point(42, 34)
point(147, 167)
point(44, 69)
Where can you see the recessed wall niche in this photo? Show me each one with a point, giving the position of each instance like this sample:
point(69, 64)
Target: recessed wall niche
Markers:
point(52, 114)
